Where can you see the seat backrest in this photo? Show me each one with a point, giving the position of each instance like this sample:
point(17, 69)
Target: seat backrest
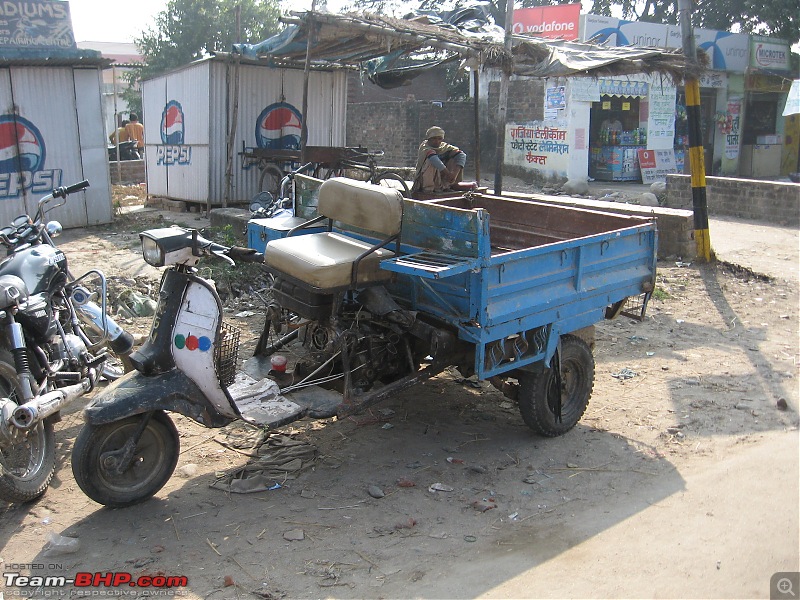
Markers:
point(361, 204)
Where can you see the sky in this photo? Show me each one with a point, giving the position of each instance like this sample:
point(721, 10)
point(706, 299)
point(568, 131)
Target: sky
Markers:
point(104, 21)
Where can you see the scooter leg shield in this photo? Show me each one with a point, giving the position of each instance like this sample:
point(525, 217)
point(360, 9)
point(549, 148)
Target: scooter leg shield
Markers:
point(134, 394)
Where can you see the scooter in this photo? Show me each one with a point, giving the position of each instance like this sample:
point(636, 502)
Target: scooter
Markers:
point(128, 448)
point(126, 151)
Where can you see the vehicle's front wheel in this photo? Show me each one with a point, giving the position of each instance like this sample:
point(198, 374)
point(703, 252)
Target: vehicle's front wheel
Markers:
point(540, 394)
point(27, 460)
point(99, 449)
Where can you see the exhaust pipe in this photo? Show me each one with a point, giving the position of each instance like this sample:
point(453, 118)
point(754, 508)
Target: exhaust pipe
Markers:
point(101, 323)
point(29, 414)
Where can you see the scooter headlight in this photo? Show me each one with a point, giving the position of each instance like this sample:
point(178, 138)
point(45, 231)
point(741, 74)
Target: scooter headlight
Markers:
point(152, 252)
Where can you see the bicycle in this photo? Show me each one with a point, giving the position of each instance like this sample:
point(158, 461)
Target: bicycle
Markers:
point(359, 159)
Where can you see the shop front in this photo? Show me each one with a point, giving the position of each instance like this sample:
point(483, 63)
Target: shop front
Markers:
point(618, 130)
point(766, 88)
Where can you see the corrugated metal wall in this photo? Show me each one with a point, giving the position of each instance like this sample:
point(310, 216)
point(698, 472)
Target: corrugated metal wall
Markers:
point(178, 170)
point(51, 134)
point(259, 87)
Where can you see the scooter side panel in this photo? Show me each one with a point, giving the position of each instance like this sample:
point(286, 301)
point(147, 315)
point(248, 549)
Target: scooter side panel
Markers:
point(195, 340)
point(136, 394)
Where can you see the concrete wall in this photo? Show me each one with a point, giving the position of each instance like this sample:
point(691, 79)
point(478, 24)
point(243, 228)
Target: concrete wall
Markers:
point(675, 226)
point(130, 171)
point(770, 201)
point(397, 128)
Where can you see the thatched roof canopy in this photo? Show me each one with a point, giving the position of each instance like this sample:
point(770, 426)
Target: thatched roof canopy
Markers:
point(354, 38)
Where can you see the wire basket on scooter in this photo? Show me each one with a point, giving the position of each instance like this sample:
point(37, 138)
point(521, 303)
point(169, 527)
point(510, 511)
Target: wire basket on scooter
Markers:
point(227, 353)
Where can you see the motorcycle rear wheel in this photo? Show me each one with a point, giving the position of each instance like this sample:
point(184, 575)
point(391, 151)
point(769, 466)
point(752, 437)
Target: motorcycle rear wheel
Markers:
point(27, 466)
point(154, 460)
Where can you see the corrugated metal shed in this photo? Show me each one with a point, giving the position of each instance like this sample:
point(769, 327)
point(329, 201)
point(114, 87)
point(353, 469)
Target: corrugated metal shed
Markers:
point(188, 114)
point(51, 134)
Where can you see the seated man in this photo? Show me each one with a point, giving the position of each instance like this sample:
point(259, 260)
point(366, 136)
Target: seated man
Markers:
point(440, 165)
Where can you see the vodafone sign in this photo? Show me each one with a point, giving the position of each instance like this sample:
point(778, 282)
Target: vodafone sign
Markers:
point(559, 21)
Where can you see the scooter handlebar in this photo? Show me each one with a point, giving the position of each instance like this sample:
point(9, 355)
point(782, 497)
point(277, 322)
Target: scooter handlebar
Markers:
point(240, 254)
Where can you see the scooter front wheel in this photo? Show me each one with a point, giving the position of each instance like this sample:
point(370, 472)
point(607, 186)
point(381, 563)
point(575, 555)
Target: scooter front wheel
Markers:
point(99, 453)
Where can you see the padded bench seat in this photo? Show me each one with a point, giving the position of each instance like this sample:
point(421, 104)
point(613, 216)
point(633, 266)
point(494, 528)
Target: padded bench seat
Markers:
point(325, 260)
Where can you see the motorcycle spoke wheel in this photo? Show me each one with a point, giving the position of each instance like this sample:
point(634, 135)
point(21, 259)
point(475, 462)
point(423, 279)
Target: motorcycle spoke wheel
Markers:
point(94, 458)
point(28, 462)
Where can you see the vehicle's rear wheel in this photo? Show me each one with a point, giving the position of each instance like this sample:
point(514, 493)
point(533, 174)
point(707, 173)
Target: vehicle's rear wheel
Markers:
point(98, 450)
point(540, 394)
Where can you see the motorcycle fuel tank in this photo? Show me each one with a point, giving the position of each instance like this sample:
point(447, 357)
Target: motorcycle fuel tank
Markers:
point(37, 266)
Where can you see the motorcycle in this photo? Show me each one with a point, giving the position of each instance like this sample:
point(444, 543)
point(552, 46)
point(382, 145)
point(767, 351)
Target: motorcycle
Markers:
point(54, 341)
point(127, 151)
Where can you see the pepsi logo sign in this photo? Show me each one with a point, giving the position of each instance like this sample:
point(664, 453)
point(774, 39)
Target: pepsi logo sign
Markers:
point(173, 151)
point(22, 158)
point(172, 123)
point(278, 127)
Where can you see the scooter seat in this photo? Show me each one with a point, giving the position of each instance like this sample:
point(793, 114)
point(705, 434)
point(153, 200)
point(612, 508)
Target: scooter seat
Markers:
point(325, 260)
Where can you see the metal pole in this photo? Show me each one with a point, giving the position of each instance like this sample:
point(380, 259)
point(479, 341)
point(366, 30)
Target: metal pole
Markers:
point(696, 158)
point(116, 122)
point(235, 117)
point(500, 149)
point(477, 152)
point(306, 72)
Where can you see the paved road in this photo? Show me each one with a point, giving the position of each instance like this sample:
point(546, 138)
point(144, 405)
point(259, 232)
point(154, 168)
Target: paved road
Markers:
point(761, 247)
point(767, 249)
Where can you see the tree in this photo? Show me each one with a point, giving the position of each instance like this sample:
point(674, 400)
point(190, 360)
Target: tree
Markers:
point(187, 30)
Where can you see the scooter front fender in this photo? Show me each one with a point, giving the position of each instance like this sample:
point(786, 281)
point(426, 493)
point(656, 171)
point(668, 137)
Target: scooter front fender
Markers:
point(135, 394)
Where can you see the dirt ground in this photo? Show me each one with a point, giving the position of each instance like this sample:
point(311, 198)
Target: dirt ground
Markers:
point(680, 481)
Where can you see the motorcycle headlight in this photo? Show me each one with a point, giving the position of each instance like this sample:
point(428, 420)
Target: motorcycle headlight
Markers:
point(152, 252)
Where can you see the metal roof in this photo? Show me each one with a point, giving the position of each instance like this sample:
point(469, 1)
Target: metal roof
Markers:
point(354, 38)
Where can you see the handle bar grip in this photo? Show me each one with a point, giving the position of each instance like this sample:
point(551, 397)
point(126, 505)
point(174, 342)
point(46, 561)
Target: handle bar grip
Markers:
point(77, 187)
point(245, 254)
point(63, 192)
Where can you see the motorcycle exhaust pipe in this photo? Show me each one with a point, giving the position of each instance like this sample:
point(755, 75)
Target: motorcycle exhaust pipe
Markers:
point(120, 341)
point(29, 414)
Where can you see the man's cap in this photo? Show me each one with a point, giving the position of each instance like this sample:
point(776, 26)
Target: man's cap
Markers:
point(434, 132)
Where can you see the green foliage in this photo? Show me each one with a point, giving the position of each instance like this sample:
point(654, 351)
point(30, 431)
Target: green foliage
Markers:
point(458, 82)
point(187, 30)
point(660, 294)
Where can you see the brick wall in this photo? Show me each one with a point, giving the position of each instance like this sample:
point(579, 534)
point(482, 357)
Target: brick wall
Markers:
point(430, 85)
point(131, 171)
point(770, 201)
point(397, 128)
point(675, 226)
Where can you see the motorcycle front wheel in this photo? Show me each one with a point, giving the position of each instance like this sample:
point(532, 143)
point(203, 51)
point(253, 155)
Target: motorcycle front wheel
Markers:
point(27, 462)
point(98, 448)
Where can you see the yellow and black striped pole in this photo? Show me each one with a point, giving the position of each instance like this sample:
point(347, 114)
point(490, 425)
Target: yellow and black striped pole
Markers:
point(696, 157)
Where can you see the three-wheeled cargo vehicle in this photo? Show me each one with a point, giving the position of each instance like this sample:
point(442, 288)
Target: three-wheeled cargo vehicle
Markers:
point(371, 295)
